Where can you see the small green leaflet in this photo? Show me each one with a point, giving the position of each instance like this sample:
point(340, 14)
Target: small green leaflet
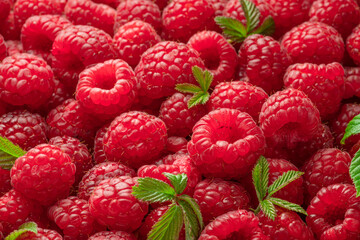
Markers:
point(195, 208)
point(192, 229)
point(153, 190)
point(179, 181)
point(267, 28)
point(285, 179)
point(232, 28)
point(252, 14)
point(355, 172)
point(287, 205)
point(352, 128)
point(260, 175)
point(9, 152)
point(26, 227)
point(268, 208)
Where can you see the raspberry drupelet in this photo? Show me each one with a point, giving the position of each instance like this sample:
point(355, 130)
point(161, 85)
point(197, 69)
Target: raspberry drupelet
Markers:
point(99, 154)
point(112, 235)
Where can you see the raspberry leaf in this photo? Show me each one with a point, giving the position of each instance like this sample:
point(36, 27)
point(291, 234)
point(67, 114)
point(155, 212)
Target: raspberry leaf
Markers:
point(287, 205)
point(267, 28)
point(179, 181)
point(192, 229)
point(268, 208)
point(252, 14)
point(352, 128)
point(283, 181)
point(195, 208)
point(260, 176)
point(9, 152)
point(26, 227)
point(169, 224)
point(188, 88)
point(153, 190)
point(232, 28)
point(355, 172)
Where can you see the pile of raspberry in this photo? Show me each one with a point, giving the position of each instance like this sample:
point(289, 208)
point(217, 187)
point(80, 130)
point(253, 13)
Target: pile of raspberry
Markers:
point(87, 89)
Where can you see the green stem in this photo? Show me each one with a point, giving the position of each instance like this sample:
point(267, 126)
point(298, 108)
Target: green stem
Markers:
point(257, 210)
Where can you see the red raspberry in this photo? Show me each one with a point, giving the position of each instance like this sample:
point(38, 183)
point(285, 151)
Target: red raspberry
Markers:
point(323, 84)
point(99, 154)
point(159, 80)
point(183, 18)
point(42, 234)
point(238, 95)
point(351, 82)
point(263, 61)
point(353, 45)
point(101, 172)
point(238, 224)
point(176, 145)
point(112, 235)
point(45, 174)
point(72, 216)
point(289, 117)
point(85, 12)
point(13, 47)
point(179, 119)
point(8, 28)
point(25, 80)
point(3, 48)
point(113, 205)
point(5, 7)
point(328, 166)
point(78, 47)
point(5, 184)
point(286, 226)
point(23, 128)
point(217, 53)
point(226, 143)
point(144, 10)
point(218, 5)
point(314, 42)
point(107, 89)
point(216, 197)
point(334, 213)
point(111, 3)
point(133, 39)
point(135, 138)
point(343, 15)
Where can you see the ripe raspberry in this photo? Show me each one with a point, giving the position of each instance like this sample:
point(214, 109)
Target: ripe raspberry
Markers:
point(179, 119)
point(13, 47)
point(3, 48)
point(263, 61)
point(78, 47)
point(218, 5)
point(113, 205)
point(351, 82)
point(133, 39)
point(323, 84)
point(159, 80)
point(112, 235)
point(289, 117)
point(144, 10)
point(25, 80)
point(8, 28)
point(314, 42)
point(238, 95)
point(84, 12)
point(5, 184)
point(286, 226)
point(111, 3)
point(353, 45)
point(99, 154)
point(226, 143)
point(100, 172)
point(5, 7)
point(334, 213)
point(176, 145)
point(107, 89)
point(45, 174)
point(343, 15)
point(23, 128)
point(183, 18)
point(216, 197)
point(238, 224)
point(328, 166)
point(217, 53)
point(72, 216)
point(42, 234)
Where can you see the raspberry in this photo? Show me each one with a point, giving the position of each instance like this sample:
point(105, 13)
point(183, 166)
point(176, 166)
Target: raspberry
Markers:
point(5, 7)
point(179, 119)
point(263, 61)
point(133, 39)
point(238, 95)
point(218, 5)
point(107, 89)
point(111, 3)
point(159, 80)
point(25, 80)
point(100, 172)
point(351, 82)
point(84, 12)
point(8, 28)
point(216, 197)
point(99, 154)
point(226, 143)
point(183, 18)
point(176, 145)
point(42, 234)
point(314, 42)
point(13, 47)
point(78, 153)
point(323, 84)
point(334, 213)
point(113, 205)
point(78, 47)
point(72, 215)
point(217, 53)
point(353, 45)
point(289, 117)
point(112, 235)
point(343, 15)
point(23, 128)
point(3, 48)
point(144, 10)
point(238, 224)
point(5, 184)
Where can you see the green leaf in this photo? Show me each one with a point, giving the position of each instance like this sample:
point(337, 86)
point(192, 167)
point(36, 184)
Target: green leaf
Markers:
point(197, 99)
point(26, 227)
point(232, 28)
point(252, 14)
point(260, 175)
point(153, 190)
point(268, 208)
point(169, 224)
point(355, 172)
point(266, 28)
point(187, 88)
point(195, 207)
point(9, 152)
point(204, 78)
point(178, 181)
point(192, 228)
point(287, 205)
point(283, 181)
point(352, 128)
